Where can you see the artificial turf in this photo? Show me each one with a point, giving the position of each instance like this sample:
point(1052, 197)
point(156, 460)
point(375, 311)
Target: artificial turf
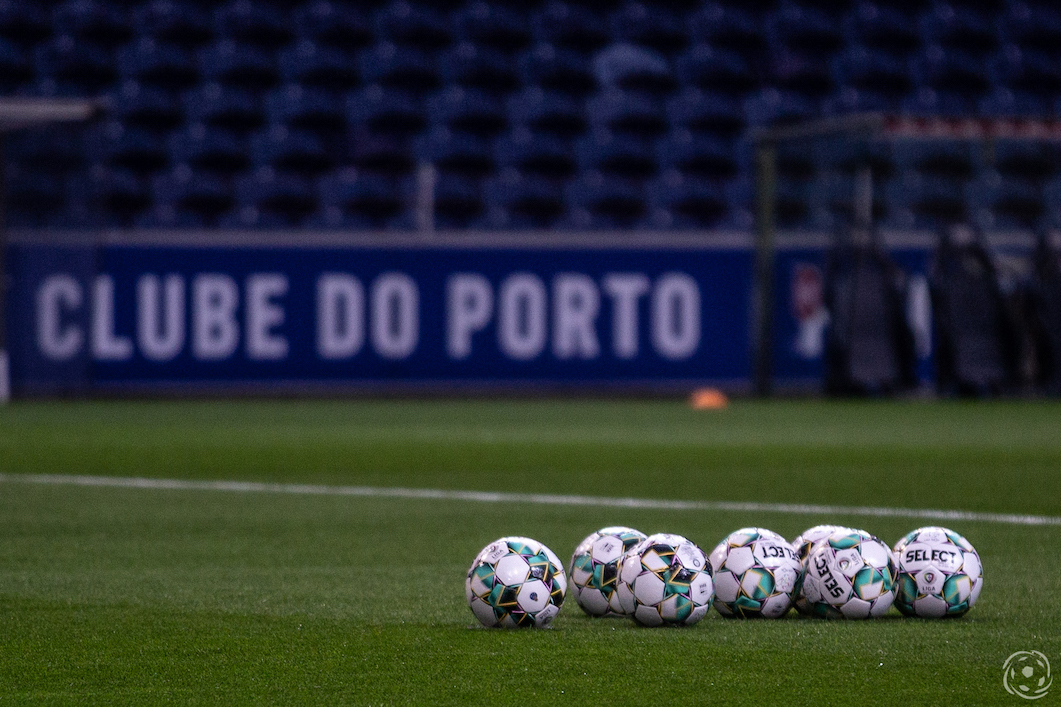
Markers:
point(147, 596)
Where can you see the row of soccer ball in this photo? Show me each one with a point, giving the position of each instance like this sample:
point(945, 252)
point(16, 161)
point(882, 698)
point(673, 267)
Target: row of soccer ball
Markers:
point(827, 571)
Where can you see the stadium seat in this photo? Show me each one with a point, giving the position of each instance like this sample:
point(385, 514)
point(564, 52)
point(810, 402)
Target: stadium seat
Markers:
point(734, 27)
point(402, 68)
point(1025, 160)
point(524, 201)
point(569, 26)
point(627, 114)
point(291, 151)
point(185, 197)
point(145, 106)
point(558, 70)
point(951, 71)
point(806, 73)
point(959, 29)
point(616, 156)
point(879, 27)
point(358, 200)
point(698, 156)
point(535, 154)
point(319, 66)
point(596, 202)
point(548, 112)
point(72, 67)
point(153, 63)
point(252, 23)
point(804, 29)
point(459, 201)
point(954, 160)
point(100, 23)
point(467, 111)
point(307, 108)
point(999, 202)
point(183, 24)
point(16, 68)
point(917, 201)
point(344, 25)
point(649, 25)
point(628, 67)
point(413, 25)
point(480, 67)
point(225, 107)
point(241, 65)
point(1033, 26)
point(50, 148)
point(120, 195)
point(213, 150)
point(134, 150)
point(773, 106)
point(1027, 73)
point(383, 111)
point(24, 23)
point(678, 202)
point(383, 153)
point(31, 196)
point(456, 154)
point(706, 112)
point(1003, 102)
point(493, 25)
point(715, 69)
point(268, 199)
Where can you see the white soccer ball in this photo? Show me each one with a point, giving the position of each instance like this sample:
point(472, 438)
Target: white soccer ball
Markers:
point(594, 569)
point(756, 572)
point(939, 573)
point(803, 544)
point(851, 575)
point(516, 582)
point(665, 579)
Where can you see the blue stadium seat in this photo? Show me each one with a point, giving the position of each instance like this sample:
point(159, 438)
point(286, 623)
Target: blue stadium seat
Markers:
point(805, 29)
point(161, 64)
point(99, 23)
point(558, 70)
point(242, 65)
point(616, 156)
point(403, 68)
point(291, 151)
point(729, 26)
point(384, 153)
point(307, 108)
point(467, 111)
point(1026, 161)
point(50, 148)
point(145, 106)
point(873, 72)
point(210, 149)
point(16, 68)
point(715, 69)
point(132, 149)
point(121, 196)
point(320, 66)
point(627, 114)
point(535, 154)
point(1034, 26)
point(698, 156)
point(384, 111)
point(268, 199)
point(1004, 102)
point(492, 25)
point(930, 158)
point(30, 201)
point(919, 201)
point(653, 26)
point(571, 27)
point(773, 106)
point(524, 201)
point(184, 197)
point(999, 202)
point(960, 29)
point(413, 25)
point(629, 67)
point(254, 23)
point(596, 202)
point(1027, 72)
point(457, 154)
point(678, 202)
point(352, 199)
point(806, 73)
point(480, 67)
point(345, 25)
point(879, 27)
point(24, 23)
point(706, 112)
point(951, 71)
point(183, 24)
point(548, 112)
point(69, 66)
point(229, 108)
point(459, 201)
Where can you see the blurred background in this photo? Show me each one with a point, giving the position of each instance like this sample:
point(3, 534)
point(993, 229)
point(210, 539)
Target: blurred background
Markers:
point(849, 196)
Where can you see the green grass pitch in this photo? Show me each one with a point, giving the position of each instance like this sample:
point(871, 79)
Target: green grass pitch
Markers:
point(147, 596)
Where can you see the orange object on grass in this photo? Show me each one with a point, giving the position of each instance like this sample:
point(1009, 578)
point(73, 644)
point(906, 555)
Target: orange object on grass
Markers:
point(708, 399)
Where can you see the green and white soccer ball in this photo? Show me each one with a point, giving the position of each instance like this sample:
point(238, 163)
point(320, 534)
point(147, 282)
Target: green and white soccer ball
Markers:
point(803, 544)
point(594, 572)
point(665, 580)
point(939, 573)
point(516, 582)
point(850, 575)
point(756, 572)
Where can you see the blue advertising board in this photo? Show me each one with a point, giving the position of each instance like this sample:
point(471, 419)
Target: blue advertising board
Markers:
point(159, 317)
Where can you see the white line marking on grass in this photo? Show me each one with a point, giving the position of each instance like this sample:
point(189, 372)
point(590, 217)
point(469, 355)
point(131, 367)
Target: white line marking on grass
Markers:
point(536, 498)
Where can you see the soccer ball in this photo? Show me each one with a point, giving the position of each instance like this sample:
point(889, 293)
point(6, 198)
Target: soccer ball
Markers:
point(665, 579)
point(595, 568)
point(939, 573)
point(516, 582)
point(851, 575)
point(755, 573)
point(803, 544)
